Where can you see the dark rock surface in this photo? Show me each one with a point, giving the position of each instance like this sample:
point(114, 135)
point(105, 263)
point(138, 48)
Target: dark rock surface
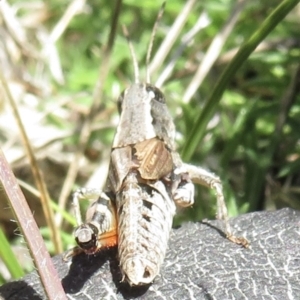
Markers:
point(200, 264)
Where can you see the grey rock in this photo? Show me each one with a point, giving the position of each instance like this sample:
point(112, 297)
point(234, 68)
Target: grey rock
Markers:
point(200, 264)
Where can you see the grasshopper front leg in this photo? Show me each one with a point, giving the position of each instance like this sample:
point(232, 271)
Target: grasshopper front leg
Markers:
point(184, 194)
point(100, 227)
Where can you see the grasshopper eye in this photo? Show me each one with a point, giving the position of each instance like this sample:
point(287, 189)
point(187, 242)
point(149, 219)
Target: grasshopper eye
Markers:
point(158, 95)
point(120, 101)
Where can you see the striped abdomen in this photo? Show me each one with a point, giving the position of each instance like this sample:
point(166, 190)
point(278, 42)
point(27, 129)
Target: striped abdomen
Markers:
point(145, 213)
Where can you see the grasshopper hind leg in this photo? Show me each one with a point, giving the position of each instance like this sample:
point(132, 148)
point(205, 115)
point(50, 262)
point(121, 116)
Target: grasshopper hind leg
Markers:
point(183, 189)
point(206, 178)
point(100, 229)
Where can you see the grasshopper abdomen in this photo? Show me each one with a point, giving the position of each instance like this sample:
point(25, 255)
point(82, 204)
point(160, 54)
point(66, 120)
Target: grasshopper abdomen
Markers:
point(145, 213)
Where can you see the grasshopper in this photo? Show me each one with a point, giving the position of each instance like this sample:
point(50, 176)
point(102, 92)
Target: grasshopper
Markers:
point(146, 180)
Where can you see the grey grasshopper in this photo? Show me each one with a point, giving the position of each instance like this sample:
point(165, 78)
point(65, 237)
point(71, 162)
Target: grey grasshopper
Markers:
point(146, 180)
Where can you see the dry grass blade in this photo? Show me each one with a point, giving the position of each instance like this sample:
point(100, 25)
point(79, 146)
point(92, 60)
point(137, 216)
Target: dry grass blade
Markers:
point(31, 233)
point(213, 51)
point(203, 21)
point(39, 181)
point(170, 39)
point(52, 58)
point(15, 28)
point(86, 126)
point(74, 8)
point(50, 51)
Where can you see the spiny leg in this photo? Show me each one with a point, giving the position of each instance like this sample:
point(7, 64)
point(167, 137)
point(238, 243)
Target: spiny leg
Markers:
point(203, 177)
point(90, 194)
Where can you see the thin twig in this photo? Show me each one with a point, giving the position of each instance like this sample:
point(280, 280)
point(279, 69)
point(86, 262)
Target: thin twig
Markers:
point(47, 272)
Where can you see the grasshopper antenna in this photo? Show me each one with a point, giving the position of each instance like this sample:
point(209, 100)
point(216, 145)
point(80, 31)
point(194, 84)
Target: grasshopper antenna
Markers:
point(133, 56)
point(158, 18)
